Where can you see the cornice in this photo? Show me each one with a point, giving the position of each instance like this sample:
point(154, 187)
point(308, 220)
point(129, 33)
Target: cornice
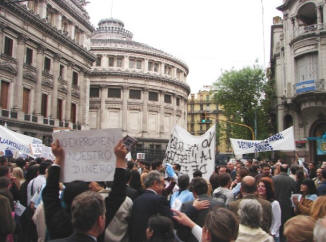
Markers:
point(50, 30)
point(142, 76)
point(69, 9)
point(129, 47)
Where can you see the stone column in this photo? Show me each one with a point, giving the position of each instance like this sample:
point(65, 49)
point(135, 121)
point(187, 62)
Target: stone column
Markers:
point(20, 54)
point(145, 112)
point(72, 31)
point(85, 122)
point(104, 92)
point(161, 101)
point(56, 72)
point(146, 65)
point(174, 114)
point(39, 77)
point(125, 108)
point(280, 118)
point(59, 21)
point(318, 16)
point(42, 9)
point(324, 12)
point(68, 99)
point(82, 98)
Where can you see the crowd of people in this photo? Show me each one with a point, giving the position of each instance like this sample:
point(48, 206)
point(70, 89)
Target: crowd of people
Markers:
point(243, 200)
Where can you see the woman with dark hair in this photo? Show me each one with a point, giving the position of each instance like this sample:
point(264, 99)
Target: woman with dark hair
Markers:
point(160, 229)
point(304, 203)
point(265, 189)
point(221, 225)
point(299, 177)
point(183, 195)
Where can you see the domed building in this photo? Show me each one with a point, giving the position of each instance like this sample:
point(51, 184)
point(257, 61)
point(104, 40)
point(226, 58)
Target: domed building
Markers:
point(135, 87)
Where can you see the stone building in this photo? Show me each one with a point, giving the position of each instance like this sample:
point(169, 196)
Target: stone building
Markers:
point(298, 61)
point(136, 87)
point(44, 65)
point(203, 112)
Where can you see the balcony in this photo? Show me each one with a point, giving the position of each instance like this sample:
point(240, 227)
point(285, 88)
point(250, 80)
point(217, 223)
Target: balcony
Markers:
point(309, 86)
point(308, 30)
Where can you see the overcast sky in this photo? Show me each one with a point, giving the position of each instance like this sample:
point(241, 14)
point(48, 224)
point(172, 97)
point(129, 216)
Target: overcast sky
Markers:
point(209, 35)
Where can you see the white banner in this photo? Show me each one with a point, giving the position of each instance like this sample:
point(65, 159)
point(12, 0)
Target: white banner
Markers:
point(89, 155)
point(17, 143)
point(280, 141)
point(192, 152)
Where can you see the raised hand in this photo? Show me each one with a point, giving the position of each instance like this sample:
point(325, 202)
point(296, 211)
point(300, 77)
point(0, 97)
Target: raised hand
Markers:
point(58, 152)
point(120, 152)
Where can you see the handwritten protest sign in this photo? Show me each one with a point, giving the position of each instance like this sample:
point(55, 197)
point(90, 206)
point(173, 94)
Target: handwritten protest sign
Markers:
point(192, 152)
point(89, 155)
point(280, 141)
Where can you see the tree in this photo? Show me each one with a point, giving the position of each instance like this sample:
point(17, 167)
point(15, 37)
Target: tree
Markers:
point(245, 96)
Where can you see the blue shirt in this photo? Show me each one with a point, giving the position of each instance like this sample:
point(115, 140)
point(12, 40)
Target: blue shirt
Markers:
point(183, 197)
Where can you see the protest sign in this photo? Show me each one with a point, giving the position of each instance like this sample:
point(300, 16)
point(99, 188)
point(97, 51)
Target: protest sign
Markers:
point(89, 155)
point(140, 156)
point(16, 142)
point(280, 141)
point(192, 152)
point(43, 151)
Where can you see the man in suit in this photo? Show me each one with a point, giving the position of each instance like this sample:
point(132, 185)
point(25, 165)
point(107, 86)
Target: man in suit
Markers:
point(248, 189)
point(88, 218)
point(199, 188)
point(151, 202)
point(284, 186)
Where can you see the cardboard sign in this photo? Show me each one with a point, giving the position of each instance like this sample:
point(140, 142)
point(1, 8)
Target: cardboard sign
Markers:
point(89, 155)
point(140, 156)
point(192, 152)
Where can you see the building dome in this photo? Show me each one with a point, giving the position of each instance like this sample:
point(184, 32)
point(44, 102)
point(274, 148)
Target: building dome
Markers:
point(136, 87)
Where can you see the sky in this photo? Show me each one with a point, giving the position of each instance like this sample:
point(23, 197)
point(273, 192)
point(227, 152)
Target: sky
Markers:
point(210, 36)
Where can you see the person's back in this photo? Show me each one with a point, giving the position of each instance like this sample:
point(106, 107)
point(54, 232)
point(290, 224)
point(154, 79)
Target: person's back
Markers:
point(284, 186)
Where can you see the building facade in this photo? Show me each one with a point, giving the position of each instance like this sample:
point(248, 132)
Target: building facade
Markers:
point(135, 87)
point(203, 112)
point(298, 64)
point(44, 66)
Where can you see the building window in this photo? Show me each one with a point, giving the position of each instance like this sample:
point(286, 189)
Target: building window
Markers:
point(9, 43)
point(132, 63)
point(44, 105)
point(111, 61)
point(47, 64)
point(134, 94)
point(74, 78)
point(178, 101)
point(167, 70)
point(201, 107)
point(29, 56)
point(62, 71)
point(59, 109)
point(138, 64)
point(150, 66)
point(114, 92)
point(26, 93)
point(73, 113)
point(156, 67)
point(119, 61)
point(94, 92)
point(98, 60)
point(4, 94)
point(153, 96)
point(167, 98)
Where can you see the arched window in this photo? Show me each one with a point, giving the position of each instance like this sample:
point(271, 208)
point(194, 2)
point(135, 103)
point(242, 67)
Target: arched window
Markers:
point(307, 14)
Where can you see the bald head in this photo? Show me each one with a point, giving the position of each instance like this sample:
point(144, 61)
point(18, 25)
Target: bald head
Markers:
point(248, 185)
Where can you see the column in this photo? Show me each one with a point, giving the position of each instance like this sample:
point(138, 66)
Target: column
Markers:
point(104, 93)
point(146, 66)
point(126, 62)
point(38, 87)
point(86, 114)
point(174, 104)
point(324, 12)
point(145, 112)
point(68, 98)
point(72, 31)
point(125, 108)
point(280, 118)
point(59, 21)
point(82, 98)
point(56, 72)
point(20, 54)
point(42, 9)
point(161, 101)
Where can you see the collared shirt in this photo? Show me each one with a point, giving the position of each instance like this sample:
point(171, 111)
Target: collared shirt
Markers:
point(93, 237)
point(151, 190)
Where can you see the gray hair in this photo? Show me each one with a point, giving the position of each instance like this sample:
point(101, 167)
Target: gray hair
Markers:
point(151, 178)
point(86, 209)
point(320, 230)
point(250, 212)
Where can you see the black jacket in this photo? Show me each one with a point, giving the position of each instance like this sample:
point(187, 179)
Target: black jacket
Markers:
point(76, 237)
